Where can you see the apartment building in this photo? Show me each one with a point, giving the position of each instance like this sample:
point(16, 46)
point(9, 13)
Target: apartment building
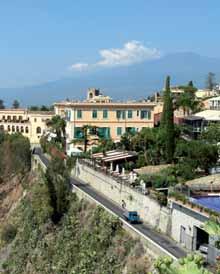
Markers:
point(31, 124)
point(112, 119)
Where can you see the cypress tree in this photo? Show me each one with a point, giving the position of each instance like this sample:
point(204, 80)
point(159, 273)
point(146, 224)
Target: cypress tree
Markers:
point(167, 123)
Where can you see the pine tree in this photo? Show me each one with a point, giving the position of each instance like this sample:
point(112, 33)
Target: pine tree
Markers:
point(167, 123)
point(15, 104)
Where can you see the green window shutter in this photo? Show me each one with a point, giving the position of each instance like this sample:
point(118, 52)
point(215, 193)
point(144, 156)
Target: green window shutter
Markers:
point(105, 113)
point(104, 132)
point(119, 131)
point(78, 133)
point(130, 114)
point(94, 113)
point(130, 129)
point(145, 114)
point(118, 114)
point(79, 114)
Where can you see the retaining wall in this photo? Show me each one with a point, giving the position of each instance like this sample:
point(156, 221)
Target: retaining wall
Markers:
point(149, 209)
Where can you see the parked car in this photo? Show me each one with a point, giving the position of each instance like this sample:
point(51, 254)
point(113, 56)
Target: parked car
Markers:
point(132, 216)
point(203, 249)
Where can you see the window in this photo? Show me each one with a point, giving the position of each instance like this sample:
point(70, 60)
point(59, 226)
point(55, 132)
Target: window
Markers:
point(104, 132)
point(22, 129)
point(1, 128)
point(35, 120)
point(38, 130)
point(68, 115)
point(14, 118)
point(130, 114)
point(94, 114)
point(17, 129)
point(105, 113)
point(79, 113)
point(120, 114)
point(145, 114)
point(78, 133)
point(130, 129)
point(3, 117)
point(26, 130)
point(119, 131)
point(13, 128)
point(9, 128)
point(9, 118)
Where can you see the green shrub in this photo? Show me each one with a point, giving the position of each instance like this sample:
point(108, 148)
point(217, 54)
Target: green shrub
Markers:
point(8, 233)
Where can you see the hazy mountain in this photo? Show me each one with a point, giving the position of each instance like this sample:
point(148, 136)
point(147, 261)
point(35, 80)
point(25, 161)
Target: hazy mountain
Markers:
point(136, 81)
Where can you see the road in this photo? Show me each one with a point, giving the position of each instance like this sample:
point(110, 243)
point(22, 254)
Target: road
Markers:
point(159, 239)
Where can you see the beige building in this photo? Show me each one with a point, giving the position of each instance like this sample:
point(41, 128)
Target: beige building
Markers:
point(111, 118)
point(31, 124)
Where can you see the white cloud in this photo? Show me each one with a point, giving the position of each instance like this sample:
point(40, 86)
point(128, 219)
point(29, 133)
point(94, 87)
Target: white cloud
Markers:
point(79, 66)
point(132, 52)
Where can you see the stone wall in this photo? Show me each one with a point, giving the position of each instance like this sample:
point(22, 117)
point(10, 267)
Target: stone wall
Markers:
point(149, 209)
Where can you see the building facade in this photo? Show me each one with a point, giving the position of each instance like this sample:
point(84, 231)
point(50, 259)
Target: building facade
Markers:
point(112, 119)
point(31, 124)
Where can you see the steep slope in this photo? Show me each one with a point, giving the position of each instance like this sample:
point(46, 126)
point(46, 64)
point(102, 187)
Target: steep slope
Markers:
point(88, 240)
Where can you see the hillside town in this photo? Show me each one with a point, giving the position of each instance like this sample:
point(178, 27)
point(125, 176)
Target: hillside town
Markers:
point(155, 160)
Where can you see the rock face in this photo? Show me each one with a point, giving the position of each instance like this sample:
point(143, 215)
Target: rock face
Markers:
point(10, 192)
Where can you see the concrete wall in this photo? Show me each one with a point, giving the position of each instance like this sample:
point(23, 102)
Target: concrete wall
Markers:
point(149, 209)
point(189, 219)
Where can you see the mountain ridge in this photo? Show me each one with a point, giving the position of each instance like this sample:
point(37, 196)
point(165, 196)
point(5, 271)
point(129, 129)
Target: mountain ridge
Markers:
point(133, 82)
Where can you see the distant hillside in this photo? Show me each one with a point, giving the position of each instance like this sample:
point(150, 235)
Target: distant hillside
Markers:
point(134, 81)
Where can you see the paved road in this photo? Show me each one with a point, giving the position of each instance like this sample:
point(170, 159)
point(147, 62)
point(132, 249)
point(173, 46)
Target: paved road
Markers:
point(156, 237)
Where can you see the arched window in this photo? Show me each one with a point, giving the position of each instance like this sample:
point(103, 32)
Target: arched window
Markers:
point(26, 130)
point(22, 129)
point(17, 128)
point(13, 128)
point(38, 130)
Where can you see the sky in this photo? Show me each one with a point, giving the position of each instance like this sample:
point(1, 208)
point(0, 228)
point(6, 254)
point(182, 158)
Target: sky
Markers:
point(45, 40)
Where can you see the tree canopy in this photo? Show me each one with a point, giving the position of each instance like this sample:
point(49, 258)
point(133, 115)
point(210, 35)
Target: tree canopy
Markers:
point(15, 104)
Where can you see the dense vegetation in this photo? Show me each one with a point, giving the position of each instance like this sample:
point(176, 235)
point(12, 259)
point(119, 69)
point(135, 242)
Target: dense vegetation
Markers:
point(15, 155)
point(87, 240)
point(52, 231)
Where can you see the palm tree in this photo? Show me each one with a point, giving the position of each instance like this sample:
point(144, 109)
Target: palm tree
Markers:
point(187, 100)
point(58, 126)
point(87, 131)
